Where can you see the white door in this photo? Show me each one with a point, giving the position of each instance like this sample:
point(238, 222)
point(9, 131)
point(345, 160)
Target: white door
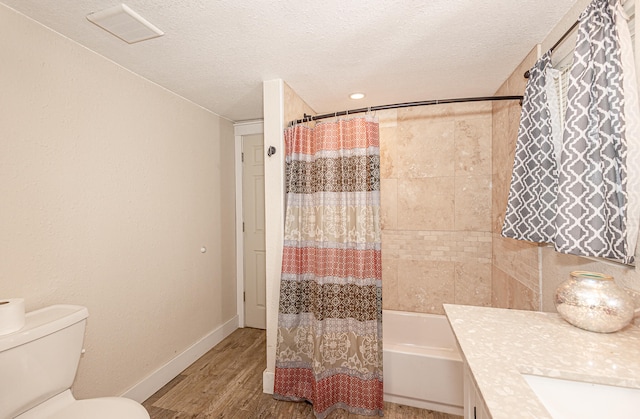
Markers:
point(255, 286)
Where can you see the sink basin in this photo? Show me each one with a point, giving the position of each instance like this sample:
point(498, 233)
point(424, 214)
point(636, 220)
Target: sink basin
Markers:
point(578, 399)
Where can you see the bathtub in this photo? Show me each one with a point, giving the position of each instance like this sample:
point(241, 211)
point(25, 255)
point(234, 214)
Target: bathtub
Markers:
point(422, 364)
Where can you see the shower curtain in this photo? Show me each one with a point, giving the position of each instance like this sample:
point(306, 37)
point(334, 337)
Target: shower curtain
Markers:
point(598, 178)
point(329, 347)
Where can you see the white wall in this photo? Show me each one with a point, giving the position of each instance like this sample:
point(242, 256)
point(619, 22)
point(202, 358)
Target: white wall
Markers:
point(109, 187)
point(281, 105)
point(273, 95)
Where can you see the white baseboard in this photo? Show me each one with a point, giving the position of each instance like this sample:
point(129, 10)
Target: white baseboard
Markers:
point(154, 382)
point(268, 381)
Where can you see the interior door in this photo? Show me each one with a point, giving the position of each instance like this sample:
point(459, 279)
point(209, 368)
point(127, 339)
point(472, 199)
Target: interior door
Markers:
point(254, 245)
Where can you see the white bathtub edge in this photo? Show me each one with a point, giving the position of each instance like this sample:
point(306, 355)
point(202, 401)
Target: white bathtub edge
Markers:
point(422, 363)
point(451, 354)
point(423, 404)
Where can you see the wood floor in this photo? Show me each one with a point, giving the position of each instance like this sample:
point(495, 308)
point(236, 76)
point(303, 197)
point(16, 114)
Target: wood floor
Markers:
point(226, 382)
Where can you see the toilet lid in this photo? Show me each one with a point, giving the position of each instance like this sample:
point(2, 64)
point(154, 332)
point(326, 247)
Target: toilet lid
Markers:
point(103, 408)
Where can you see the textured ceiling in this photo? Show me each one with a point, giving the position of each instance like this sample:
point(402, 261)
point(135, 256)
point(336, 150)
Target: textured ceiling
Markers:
point(218, 53)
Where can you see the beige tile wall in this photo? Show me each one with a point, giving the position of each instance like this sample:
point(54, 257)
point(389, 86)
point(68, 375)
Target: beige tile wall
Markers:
point(445, 181)
point(515, 267)
point(436, 206)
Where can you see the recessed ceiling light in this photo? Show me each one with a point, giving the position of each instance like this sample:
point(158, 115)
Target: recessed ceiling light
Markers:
point(124, 23)
point(357, 96)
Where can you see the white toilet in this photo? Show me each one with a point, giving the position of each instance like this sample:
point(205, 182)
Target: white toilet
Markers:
point(38, 364)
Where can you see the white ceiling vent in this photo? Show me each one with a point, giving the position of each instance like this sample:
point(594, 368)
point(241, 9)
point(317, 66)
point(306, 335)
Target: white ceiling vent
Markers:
point(124, 23)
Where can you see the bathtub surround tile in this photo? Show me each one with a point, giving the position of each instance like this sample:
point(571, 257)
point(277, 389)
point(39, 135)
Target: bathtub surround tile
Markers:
point(388, 152)
point(473, 283)
point(508, 292)
point(445, 112)
point(390, 244)
point(423, 286)
point(473, 146)
point(389, 283)
point(295, 105)
point(429, 218)
point(426, 204)
point(436, 203)
point(502, 162)
point(499, 288)
point(514, 111)
point(515, 272)
point(425, 149)
point(389, 205)
point(506, 117)
point(518, 259)
point(387, 118)
point(499, 197)
point(471, 110)
point(431, 113)
point(522, 297)
point(500, 143)
point(448, 246)
point(473, 203)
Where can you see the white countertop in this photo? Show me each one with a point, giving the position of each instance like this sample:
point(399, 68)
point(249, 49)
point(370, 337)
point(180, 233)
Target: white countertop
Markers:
point(499, 345)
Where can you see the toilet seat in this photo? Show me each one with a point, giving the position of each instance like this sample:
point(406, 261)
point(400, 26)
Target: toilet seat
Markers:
point(65, 406)
point(102, 408)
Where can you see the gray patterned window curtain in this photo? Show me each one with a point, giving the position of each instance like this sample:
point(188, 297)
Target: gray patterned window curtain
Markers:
point(531, 206)
point(597, 214)
point(581, 191)
point(329, 349)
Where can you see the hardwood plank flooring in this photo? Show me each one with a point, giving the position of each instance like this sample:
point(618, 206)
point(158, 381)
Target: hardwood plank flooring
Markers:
point(226, 382)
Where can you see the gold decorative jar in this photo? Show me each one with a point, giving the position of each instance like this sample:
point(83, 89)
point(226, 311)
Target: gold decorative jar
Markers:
point(594, 302)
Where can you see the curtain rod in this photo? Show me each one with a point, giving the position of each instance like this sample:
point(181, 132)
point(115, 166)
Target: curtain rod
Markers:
point(309, 118)
point(562, 38)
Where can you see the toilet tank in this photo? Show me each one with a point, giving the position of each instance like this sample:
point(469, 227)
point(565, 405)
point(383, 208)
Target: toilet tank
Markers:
point(40, 360)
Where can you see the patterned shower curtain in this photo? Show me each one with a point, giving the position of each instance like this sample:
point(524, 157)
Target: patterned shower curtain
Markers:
point(329, 349)
point(598, 180)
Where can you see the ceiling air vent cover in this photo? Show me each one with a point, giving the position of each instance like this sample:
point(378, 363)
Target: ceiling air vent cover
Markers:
point(124, 23)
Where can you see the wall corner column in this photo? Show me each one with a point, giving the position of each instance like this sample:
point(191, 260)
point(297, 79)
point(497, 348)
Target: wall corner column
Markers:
point(273, 102)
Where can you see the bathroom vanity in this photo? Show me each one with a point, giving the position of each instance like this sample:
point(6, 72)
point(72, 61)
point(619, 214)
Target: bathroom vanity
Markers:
point(526, 364)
